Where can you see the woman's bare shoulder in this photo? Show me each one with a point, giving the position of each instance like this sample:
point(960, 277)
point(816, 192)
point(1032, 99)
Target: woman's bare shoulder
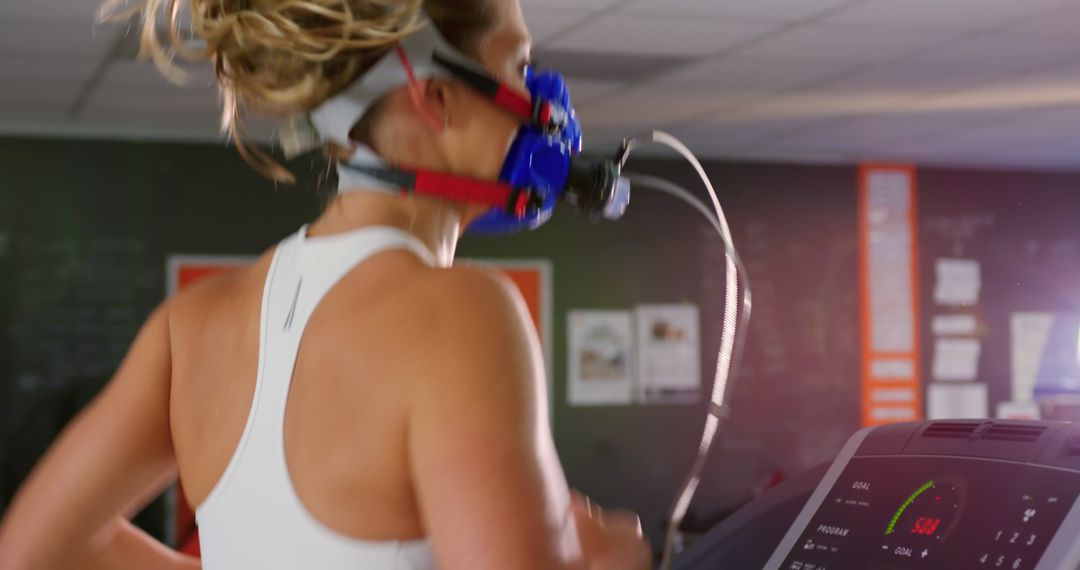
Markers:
point(469, 296)
point(473, 326)
point(211, 292)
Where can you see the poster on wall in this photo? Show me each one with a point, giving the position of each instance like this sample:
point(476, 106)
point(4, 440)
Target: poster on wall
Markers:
point(669, 354)
point(600, 358)
point(1019, 411)
point(1045, 351)
point(956, 359)
point(957, 282)
point(950, 400)
point(532, 278)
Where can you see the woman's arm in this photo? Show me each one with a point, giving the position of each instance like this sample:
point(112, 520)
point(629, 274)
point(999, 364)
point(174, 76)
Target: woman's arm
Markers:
point(112, 459)
point(491, 491)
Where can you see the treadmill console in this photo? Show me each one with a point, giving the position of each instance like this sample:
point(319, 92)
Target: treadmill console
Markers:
point(944, 495)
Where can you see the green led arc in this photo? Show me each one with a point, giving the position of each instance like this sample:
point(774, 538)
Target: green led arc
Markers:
point(892, 523)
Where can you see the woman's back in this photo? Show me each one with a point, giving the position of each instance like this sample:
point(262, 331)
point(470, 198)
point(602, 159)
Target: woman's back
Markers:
point(344, 426)
point(417, 404)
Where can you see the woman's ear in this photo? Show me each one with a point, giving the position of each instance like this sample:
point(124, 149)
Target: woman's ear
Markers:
point(431, 99)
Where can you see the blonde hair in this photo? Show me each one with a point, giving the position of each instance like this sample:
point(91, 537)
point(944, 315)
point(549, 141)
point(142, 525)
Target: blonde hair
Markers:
point(275, 57)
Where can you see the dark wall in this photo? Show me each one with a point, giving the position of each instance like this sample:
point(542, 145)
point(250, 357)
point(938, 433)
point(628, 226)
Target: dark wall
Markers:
point(85, 227)
point(84, 230)
point(794, 227)
point(1024, 230)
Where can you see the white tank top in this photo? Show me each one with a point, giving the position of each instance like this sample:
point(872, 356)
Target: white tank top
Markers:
point(253, 517)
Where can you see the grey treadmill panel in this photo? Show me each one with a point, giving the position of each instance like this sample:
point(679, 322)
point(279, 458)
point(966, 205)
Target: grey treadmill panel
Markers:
point(979, 495)
point(816, 499)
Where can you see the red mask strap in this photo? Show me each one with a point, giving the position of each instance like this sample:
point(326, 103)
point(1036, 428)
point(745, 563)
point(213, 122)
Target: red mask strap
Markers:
point(414, 92)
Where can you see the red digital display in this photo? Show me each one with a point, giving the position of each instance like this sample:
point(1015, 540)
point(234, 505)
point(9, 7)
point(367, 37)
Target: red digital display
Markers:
point(926, 526)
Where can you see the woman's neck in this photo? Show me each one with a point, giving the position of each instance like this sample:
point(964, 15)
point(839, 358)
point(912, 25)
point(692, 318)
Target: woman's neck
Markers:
point(434, 222)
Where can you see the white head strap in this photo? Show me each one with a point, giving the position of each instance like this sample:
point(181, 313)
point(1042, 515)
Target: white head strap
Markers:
point(335, 118)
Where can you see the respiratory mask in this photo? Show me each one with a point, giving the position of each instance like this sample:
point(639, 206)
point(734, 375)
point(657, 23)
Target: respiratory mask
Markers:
point(543, 166)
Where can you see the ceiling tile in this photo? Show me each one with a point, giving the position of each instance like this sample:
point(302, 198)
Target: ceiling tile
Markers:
point(914, 78)
point(124, 112)
point(1056, 123)
point(1022, 132)
point(145, 76)
point(1063, 21)
point(871, 132)
point(652, 107)
point(881, 90)
point(545, 22)
point(847, 43)
point(606, 66)
point(948, 14)
point(742, 127)
point(115, 101)
point(17, 70)
point(1007, 135)
point(650, 35)
point(1008, 98)
point(606, 140)
point(583, 91)
point(72, 39)
point(81, 11)
point(782, 10)
point(592, 5)
point(1052, 148)
point(137, 126)
point(815, 105)
point(789, 155)
point(36, 101)
point(753, 74)
point(1005, 52)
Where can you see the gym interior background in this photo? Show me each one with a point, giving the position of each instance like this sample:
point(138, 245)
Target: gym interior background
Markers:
point(108, 170)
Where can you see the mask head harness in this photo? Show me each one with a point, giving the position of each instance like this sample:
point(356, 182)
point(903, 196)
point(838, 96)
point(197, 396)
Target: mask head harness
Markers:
point(542, 166)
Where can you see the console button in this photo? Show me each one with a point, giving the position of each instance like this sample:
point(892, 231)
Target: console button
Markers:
point(1014, 536)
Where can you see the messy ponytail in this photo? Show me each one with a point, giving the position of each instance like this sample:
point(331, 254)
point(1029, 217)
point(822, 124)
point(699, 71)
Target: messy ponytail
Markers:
point(275, 57)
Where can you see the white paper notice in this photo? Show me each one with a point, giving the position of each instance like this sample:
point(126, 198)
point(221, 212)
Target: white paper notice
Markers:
point(956, 359)
point(892, 369)
point(893, 396)
point(892, 327)
point(1019, 411)
point(601, 365)
point(1030, 333)
point(669, 354)
point(946, 325)
point(958, 282)
point(957, 401)
point(893, 414)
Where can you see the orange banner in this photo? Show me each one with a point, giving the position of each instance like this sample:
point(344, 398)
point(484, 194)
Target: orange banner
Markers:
point(889, 294)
